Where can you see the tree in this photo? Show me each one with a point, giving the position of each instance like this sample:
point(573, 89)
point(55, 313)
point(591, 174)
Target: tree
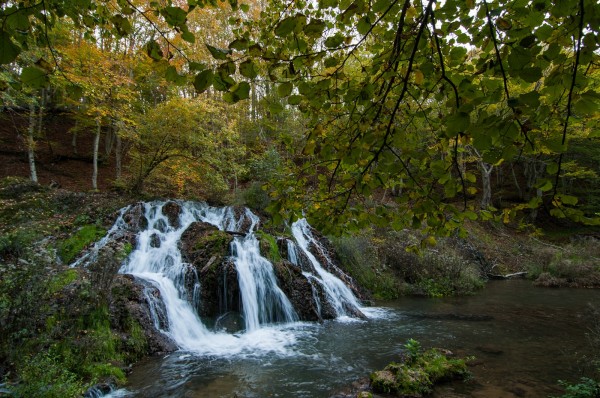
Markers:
point(191, 141)
point(388, 86)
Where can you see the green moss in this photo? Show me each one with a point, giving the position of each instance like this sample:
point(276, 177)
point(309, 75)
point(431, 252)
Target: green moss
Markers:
point(136, 345)
point(61, 280)
point(268, 246)
point(73, 245)
point(420, 371)
point(215, 239)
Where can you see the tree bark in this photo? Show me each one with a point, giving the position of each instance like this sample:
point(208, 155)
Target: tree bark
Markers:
point(486, 183)
point(31, 144)
point(96, 147)
point(118, 156)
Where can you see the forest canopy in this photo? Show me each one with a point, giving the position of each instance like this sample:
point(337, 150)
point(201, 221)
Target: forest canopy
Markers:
point(407, 107)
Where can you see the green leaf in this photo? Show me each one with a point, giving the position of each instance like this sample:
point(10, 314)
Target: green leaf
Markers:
point(531, 75)
point(222, 82)
point(255, 50)
point(528, 41)
point(248, 69)
point(226, 68)
point(568, 200)
point(154, 51)
point(275, 107)
point(503, 24)
point(218, 53)
point(286, 26)
point(457, 123)
point(121, 24)
point(551, 168)
point(19, 21)
point(531, 99)
point(174, 16)
point(587, 104)
point(315, 28)
point(239, 44)
point(294, 99)
point(203, 80)
point(188, 36)
point(363, 25)
point(8, 50)
point(171, 74)
point(244, 7)
point(519, 58)
point(196, 66)
point(544, 185)
point(34, 77)
point(334, 41)
point(240, 91)
point(285, 89)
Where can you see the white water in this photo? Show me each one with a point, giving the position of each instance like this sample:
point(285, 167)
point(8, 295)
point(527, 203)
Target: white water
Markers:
point(263, 302)
point(270, 320)
point(338, 294)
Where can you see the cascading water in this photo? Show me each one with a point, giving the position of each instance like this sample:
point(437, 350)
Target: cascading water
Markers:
point(158, 262)
point(338, 294)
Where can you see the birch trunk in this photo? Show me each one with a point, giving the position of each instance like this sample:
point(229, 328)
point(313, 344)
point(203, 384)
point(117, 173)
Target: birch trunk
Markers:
point(31, 144)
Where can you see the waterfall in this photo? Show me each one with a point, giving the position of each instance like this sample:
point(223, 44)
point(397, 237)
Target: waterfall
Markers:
point(338, 294)
point(161, 264)
point(173, 288)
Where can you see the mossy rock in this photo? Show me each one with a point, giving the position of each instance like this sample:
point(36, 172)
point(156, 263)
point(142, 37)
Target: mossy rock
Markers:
point(268, 246)
point(418, 373)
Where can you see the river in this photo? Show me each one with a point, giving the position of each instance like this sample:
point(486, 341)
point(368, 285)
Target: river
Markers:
point(524, 339)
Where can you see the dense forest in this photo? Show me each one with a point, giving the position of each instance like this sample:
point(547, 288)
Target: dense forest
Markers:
point(436, 144)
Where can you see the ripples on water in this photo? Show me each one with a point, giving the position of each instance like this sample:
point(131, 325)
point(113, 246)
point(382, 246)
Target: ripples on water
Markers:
point(524, 340)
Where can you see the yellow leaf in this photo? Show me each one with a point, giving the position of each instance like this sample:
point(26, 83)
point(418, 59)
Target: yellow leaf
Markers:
point(419, 77)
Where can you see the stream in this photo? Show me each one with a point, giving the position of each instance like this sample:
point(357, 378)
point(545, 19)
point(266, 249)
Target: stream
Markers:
point(524, 339)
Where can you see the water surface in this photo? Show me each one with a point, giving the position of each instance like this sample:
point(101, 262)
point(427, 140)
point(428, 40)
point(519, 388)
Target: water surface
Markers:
point(524, 340)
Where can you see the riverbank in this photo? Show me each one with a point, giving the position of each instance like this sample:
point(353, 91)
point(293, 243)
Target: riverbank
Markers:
point(64, 330)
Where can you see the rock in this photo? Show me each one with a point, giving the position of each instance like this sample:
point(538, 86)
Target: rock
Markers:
point(230, 322)
point(206, 249)
point(135, 218)
point(172, 210)
point(245, 222)
point(302, 293)
point(154, 240)
point(128, 300)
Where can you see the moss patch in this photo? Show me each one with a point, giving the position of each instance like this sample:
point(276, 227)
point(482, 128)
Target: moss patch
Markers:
point(72, 246)
point(418, 373)
point(268, 246)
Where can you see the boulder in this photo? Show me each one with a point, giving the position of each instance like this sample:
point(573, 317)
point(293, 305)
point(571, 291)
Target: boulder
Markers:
point(301, 292)
point(212, 275)
point(129, 300)
point(135, 218)
point(172, 210)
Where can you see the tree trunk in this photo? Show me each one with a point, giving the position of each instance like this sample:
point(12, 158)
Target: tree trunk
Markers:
point(118, 156)
point(486, 183)
point(109, 140)
point(96, 147)
point(31, 144)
